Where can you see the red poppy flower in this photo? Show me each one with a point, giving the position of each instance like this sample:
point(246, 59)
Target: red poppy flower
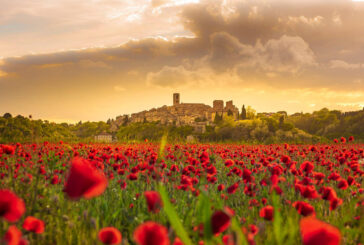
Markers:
point(253, 229)
point(11, 206)
point(307, 166)
point(177, 241)
point(220, 221)
point(343, 140)
point(154, 201)
point(220, 187)
point(267, 212)
point(132, 176)
point(335, 202)
point(84, 180)
point(8, 149)
point(110, 235)
point(308, 191)
point(229, 163)
point(228, 240)
point(314, 231)
point(328, 193)
point(232, 189)
point(151, 233)
point(304, 208)
point(23, 242)
point(13, 235)
point(343, 184)
point(33, 224)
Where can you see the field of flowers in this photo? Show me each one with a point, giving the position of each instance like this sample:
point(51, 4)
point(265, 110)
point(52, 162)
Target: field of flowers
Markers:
point(182, 194)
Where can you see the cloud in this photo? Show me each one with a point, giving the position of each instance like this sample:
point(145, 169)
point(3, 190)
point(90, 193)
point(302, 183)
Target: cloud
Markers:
point(286, 54)
point(169, 77)
point(157, 3)
point(227, 51)
point(334, 64)
point(89, 64)
point(211, 47)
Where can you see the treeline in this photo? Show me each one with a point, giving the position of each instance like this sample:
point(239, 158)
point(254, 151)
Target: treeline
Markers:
point(265, 130)
point(153, 131)
point(320, 126)
point(330, 124)
point(24, 129)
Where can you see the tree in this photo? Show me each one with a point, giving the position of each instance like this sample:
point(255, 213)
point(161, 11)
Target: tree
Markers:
point(7, 115)
point(230, 113)
point(281, 120)
point(250, 113)
point(243, 113)
point(126, 120)
point(217, 118)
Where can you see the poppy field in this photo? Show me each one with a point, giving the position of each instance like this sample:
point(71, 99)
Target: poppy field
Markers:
point(161, 194)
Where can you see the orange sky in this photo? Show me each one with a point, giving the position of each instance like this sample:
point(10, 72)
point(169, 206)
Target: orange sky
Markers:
point(93, 60)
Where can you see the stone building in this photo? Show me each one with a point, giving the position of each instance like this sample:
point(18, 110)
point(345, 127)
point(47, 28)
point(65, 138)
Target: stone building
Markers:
point(103, 137)
point(180, 114)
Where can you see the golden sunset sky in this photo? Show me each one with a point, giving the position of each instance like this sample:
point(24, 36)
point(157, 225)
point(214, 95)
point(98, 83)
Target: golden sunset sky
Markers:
point(69, 60)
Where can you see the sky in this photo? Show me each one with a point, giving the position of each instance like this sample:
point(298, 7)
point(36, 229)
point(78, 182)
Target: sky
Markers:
point(68, 60)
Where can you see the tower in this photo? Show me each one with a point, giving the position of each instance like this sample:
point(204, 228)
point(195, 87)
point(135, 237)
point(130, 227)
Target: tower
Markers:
point(176, 98)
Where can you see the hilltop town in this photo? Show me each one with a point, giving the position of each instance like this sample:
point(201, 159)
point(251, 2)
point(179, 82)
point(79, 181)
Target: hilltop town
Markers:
point(197, 115)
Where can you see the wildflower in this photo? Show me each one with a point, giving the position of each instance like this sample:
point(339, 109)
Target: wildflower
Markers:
point(84, 180)
point(11, 206)
point(232, 189)
point(220, 221)
point(154, 201)
point(267, 213)
point(304, 208)
point(151, 233)
point(13, 235)
point(314, 231)
point(110, 235)
point(33, 224)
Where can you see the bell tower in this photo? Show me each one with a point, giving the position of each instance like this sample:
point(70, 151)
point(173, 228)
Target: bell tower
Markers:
point(176, 99)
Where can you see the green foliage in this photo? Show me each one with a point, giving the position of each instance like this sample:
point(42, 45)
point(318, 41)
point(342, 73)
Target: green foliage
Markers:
point(330, 124)
point(243, 113)
point(153, 131)
point(173, 216)
point(250, 113)
point(22, 129)
point(320, 126)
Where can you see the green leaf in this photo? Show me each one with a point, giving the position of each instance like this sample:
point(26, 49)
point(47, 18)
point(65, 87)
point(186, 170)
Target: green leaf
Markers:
point(204, 215)
point(240, 237)
point(173, 217)
point(277, 220)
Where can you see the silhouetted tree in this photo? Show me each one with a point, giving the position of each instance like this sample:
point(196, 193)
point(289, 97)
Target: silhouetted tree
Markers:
point(243, 113)
point(7, 115)
point(217, 118)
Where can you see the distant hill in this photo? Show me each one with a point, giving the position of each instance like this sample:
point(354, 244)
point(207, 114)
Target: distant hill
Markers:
point(320, 126)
